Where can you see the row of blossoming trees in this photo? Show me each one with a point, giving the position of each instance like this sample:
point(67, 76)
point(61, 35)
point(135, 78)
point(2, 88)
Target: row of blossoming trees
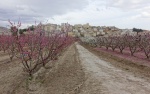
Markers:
point(35, 48)
point(133, 43)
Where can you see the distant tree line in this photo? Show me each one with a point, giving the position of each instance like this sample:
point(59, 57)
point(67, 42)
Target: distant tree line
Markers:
point(21, 31)
point(137, 30)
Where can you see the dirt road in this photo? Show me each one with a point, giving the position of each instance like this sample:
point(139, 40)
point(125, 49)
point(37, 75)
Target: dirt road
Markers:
point(104, 78)
point(77, 71)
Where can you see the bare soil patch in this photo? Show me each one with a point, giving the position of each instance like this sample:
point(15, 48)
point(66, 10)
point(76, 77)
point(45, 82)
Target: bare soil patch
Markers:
point(109, 77)
point(64, 76)
point(136, 67)
point(11, 75)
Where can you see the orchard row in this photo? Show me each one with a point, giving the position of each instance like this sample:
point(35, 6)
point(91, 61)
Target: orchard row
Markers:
point(35, 48)
point(134, 43)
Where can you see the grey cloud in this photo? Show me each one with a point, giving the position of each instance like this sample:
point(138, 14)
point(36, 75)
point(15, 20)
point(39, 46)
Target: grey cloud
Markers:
point(31, 10)
point(128, 4)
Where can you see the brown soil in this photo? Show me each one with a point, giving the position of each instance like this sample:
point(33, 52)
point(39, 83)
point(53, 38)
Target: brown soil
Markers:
point(138, 69)
point(106, 75)
point(77, 71)
point(11, 75)
point(64, 76)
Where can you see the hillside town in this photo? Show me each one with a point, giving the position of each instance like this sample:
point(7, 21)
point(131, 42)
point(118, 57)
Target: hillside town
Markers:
point(82, 30)
point(86, 30)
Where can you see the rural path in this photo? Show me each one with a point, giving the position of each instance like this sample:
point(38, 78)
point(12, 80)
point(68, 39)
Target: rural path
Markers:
point(77, 71)
point(104, 78)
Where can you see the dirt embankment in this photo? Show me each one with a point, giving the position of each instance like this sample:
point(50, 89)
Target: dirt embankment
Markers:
point(64, 76)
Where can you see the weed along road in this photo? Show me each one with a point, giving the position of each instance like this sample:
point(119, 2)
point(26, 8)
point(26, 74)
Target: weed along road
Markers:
point(104, 78)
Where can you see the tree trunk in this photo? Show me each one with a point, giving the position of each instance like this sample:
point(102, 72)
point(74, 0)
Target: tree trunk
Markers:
point(121, 51)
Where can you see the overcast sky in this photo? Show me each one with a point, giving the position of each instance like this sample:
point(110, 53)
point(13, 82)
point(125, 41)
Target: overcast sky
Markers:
point(119, 13)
